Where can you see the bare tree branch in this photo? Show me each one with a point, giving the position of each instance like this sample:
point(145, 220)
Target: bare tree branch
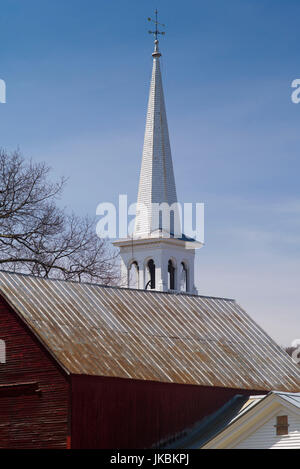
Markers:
point(38, 237)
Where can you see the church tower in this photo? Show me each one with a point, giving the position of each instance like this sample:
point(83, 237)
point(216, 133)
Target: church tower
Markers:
point(158, 256)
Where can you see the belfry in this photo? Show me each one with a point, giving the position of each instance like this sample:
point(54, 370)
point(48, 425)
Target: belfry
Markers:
point(158, 256)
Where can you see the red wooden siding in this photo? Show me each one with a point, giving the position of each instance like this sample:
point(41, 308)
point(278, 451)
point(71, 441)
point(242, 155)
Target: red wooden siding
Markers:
point(33, 390)
point(36, 397)
point(121, 413)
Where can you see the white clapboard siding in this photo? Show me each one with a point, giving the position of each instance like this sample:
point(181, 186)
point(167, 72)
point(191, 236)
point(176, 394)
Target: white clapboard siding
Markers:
point(265, 437)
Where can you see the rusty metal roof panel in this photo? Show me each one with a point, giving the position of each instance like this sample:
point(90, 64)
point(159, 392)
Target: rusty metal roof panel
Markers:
point(177, 338)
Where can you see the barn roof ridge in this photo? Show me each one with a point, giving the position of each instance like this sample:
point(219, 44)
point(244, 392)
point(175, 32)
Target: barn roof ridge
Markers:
point(175, 292)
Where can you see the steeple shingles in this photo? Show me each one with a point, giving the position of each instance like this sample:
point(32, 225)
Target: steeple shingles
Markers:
point(157, 182)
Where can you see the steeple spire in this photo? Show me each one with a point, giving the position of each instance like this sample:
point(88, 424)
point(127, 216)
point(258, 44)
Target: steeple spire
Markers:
point(156, 52)
point(158, 256)
point(157, 182)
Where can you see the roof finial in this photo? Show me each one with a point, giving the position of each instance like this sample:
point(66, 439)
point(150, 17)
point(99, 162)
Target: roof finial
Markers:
point(156, 52)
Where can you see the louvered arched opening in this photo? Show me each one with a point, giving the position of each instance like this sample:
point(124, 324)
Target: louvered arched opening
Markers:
point(183, 277)
point(133, 275)
point(150, 275)
point(171, 275)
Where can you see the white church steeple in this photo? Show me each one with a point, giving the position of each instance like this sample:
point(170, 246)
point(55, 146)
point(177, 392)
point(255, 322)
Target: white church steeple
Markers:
point(157, 256)
point(157, 182)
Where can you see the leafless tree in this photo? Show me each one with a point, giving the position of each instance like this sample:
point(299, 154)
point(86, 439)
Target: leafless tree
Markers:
point(38, 237)
point(291, 352)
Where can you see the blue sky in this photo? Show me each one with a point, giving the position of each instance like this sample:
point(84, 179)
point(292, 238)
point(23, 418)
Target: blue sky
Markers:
point(77, 75)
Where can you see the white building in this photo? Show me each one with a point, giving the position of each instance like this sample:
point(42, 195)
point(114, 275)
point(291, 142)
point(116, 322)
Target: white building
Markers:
point(270, 421)
point(158, 256)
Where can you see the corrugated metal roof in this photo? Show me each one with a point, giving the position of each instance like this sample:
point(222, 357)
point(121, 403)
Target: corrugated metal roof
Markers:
point(176, 338)
point(291, 398)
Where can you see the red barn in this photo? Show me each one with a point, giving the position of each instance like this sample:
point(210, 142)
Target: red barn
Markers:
point(86, 366)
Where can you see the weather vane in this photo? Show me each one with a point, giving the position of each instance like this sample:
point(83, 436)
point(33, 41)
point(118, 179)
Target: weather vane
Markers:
point(156, 32)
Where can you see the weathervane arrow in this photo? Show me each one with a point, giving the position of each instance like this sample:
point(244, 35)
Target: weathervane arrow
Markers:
point(156, 32)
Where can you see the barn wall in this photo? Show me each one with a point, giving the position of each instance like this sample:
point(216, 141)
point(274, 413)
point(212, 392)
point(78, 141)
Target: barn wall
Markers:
point(34, 414)
point(122, 413)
